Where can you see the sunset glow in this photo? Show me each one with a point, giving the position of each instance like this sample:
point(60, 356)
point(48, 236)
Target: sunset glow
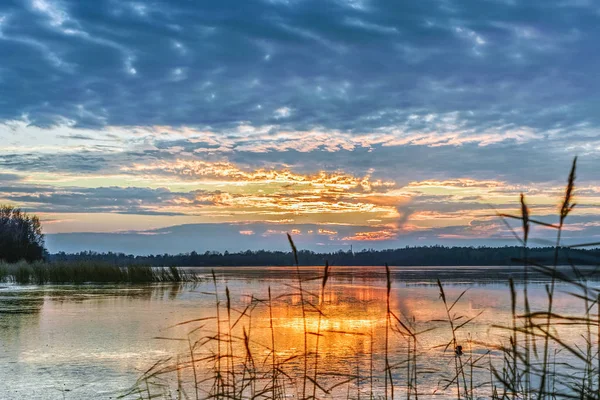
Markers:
point(335, 206)
point(395, 150)
point(308, 199)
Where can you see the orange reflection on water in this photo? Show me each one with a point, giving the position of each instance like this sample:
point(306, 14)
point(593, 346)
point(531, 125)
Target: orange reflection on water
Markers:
point(346, 328)
point(119, 324)
point(343, 327)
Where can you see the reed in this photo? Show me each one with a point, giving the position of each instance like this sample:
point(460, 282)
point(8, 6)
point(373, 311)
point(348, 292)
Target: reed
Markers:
point(274, 375)
point(303, 307)
point(388, 370)
point(531, 360)
point(41, 273)
point(262, 379)
point(566, 208)
point(318, 333)
point(456, 323)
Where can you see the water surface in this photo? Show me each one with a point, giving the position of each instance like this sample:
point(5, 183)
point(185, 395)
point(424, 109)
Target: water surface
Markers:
point(88, 341)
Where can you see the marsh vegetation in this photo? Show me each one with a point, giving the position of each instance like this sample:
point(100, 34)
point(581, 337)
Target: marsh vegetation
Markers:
point(41, 273)
point(538, 353)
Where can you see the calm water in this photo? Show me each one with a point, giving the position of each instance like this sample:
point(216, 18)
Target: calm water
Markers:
point(89, 341)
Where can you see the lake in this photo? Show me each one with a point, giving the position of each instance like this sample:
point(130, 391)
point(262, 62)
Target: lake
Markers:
point(87, 341)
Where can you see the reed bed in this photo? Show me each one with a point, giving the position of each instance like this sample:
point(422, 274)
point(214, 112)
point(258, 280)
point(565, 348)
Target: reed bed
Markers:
point(532, 359)
point(41, 273)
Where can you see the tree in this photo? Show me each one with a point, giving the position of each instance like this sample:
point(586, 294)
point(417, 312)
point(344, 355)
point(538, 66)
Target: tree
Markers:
point(21, 236)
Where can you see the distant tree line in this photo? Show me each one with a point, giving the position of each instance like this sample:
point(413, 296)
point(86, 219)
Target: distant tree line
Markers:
point(408, 256)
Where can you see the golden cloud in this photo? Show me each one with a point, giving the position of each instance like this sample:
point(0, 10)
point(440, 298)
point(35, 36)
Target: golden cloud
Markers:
point(373, 235)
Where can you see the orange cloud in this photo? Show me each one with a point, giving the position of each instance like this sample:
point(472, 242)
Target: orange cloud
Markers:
point(372, 236)
point(457, 183)
point(326, 232)
point(226, 171)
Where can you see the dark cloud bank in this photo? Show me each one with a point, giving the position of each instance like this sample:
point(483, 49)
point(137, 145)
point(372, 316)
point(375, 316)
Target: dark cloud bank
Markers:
point(351, 65)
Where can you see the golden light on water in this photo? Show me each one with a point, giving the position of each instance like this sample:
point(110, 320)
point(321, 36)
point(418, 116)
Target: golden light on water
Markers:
point(351, 325)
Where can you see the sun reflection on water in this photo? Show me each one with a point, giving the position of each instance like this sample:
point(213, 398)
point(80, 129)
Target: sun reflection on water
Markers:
point(114, 332)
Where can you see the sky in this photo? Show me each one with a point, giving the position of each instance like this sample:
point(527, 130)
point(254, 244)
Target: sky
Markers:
point(171, 125)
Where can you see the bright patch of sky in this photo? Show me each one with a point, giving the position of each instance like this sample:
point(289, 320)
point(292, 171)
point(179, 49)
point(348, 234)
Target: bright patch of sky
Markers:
point(382, 122)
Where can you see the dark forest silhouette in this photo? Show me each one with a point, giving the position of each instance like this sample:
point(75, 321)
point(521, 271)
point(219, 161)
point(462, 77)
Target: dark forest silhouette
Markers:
point(21, 236)
point(426, 256)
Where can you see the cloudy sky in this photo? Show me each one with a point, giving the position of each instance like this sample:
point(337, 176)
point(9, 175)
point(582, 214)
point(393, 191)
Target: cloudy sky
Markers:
point(170, 126)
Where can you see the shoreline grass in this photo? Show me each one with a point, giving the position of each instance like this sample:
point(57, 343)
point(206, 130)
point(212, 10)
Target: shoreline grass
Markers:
point(40, 273)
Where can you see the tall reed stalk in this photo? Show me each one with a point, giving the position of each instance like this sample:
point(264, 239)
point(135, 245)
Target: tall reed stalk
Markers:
point(302, 305)
point(318, 336)
point(219, 382)
point(388, 368)
point(566, 208)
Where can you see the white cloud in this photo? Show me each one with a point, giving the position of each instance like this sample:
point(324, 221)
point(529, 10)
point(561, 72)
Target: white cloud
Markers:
point(283, 112)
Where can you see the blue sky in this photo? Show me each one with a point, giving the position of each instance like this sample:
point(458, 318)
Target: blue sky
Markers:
point(365, 122)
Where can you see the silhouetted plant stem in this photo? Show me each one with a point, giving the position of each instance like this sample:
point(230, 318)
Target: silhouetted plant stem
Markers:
point(527, 320)
point(371, 358)
point(458, 364)
point(320, 311)
point(388, 370)
point(408, 372)
point(230, 360)
point(219, 380)
point(357, 377)
point(192, 357)
point(273, 364)
point(302, 304)
point(514, 356)
point(566, 208)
